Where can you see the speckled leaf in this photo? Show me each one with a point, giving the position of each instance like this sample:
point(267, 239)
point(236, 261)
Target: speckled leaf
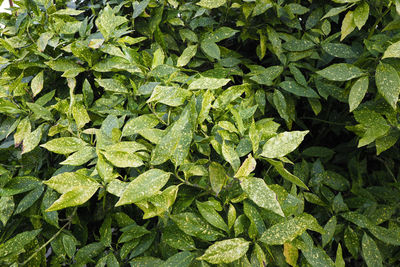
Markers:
point(217, 176)
point(348, 25)
point(175, 238)
point(112, 85)
point(169, 95)
point(23, 130)
point(29, 199)
point(139, 8)
point(37, 83)
point(32, 140)
point(329, 228)
point(286, 231)
point(18, 242)
point(370, 252)
point(357, 92)
point(142, 122)
point(335, 11)
point(361, 14)
point(144, 186)
point(259, 192)
point(64, 145)
point(315, 256)
point(211, 49)
point(351, 241)
point(80, 115)
point(211, 3)
point(76, 189)
point(385, 235)
point(208, 212)
point(291, 254)
point(208, 83)
point(267, 76)
point(392, 51)
point(247, 167)
point(388, 83)
point(207, 99)
point(230, 155)
point(357, 218)
point(80, 157)
point(339, 257)
point(122, 159)
point(341, 72)
point(187, 55)
point(298, 45)
point(176, 143)
point(339, 50)
point(297, 89)
point(181, 259)
point(40, 112)
point(69, 244)
point(278, 165)
point(107, 21)
point(6, 209)
point(282, 144)
point(225, 251)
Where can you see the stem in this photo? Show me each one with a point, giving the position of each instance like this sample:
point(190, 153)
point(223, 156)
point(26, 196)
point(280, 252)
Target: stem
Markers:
point(45, 244)
point(378, 21)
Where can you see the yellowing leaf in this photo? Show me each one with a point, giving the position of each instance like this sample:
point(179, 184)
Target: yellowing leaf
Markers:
point(187, 55)
point(392, 51)
point(37, 83)
point(225, 251)
point(282, 144)
point(357, 92)
point(361, 14)
point(348, 25)
point(208, 83)
point(211, 3)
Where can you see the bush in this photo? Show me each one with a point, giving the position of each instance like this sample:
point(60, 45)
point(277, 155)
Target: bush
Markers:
point(198, 133)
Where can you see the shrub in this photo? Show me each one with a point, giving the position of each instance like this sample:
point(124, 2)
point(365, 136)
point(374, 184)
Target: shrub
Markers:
point(198, 133)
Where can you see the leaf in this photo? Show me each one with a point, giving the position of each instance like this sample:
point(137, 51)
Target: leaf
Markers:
point(392, 51)
point(357, 92)
point(187, 55)
point(361, 14)
point(286, 174)
point(169, 95)
point(208, 83)
point(339, 50)
point(29, 199)
point(339, 258)
point(298, 45)
point(282, 144)
point(144, 186)
point(142, 122)
point(139, 8)
point(18, 242)
point(248, 166)
point(76, 189)
point(348, 25)
point(80, 115)
point(230, 155)
point(80, 157)
point(211, 49)
point(388, 82)
point(267, 76)
point(112, 85)
point(286, 231)
point(178, 239)
point(261, 194)
point(40, 111)
point(182, 259)
point(297, 89)
point(69, 245)
point(176, 143)
point(217, 176)
point(6, 208)
point(208, 212)
point(370, 252)
point(210, 4)
point(329, 228)
point(32, 140)
point(37, 83)
point(335, 11)
point(107, 21)
point(220, 34)
point(225, 251)
point(193, 225)
point(122, 159)
point(340, 72)
point(64, 145)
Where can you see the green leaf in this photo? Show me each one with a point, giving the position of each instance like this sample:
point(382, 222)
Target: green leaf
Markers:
point(80, 157)
point(370, 252)
point(248, 166)
point(286, 174)
point(335, 11)
point(282, 144)
point(288, 230)
point(298, 45)
point(107, 21)
point(225, 251)
point(217, 176)
point(75, 196)
point(388, 82)
point(339, 50)
point(182, 259)
point(357, 92)
point(208, 83)
point(361, 14)
point(348, 25)
point(80, 115)
point(392, 51)
point(339, 257)
point(37, 83)
point(297, 89)
point(211, 215)
point(29, 199)
point(32, 140)
point(122, 159)
point(142, 122)
point(176, 143)
point(144, 186)
point(220, 34)
point(329, 228)
point(18, 242)
point(340, 72)
point(267, 75)
point(193, 225)
point(169, 95)
point(187, 55)
point(230, 155)
point(175, 238)
point(261, 194)
point(40, 111)
point(6, 208)
point(112, 85)
point(69, 244)
point(211, 49)
point(139, 8)
point(64, 145)
point(210, 4)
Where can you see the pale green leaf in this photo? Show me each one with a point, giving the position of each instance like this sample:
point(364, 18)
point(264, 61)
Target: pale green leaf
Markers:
point(80, 157)
point(226, 251)
point(208, 212)
point(348, 25)
point(361, 14)
point(217, 176)
point(211, 49)
point(370, 252)
point(208, 83)
point(211, 3)
point(357, 92)
point(282, 144)
point(37, 83)
point(388, 82)
point(187, 55)
point(341, 72)
point(247, 167)
point(112, 85)
point(142, 122)
point(64, 145)
point(392, 51)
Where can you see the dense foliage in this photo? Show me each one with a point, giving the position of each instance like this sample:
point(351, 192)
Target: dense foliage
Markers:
point(200, 133)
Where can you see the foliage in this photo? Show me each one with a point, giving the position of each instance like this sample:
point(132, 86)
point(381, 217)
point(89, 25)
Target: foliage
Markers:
point(199, 133)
